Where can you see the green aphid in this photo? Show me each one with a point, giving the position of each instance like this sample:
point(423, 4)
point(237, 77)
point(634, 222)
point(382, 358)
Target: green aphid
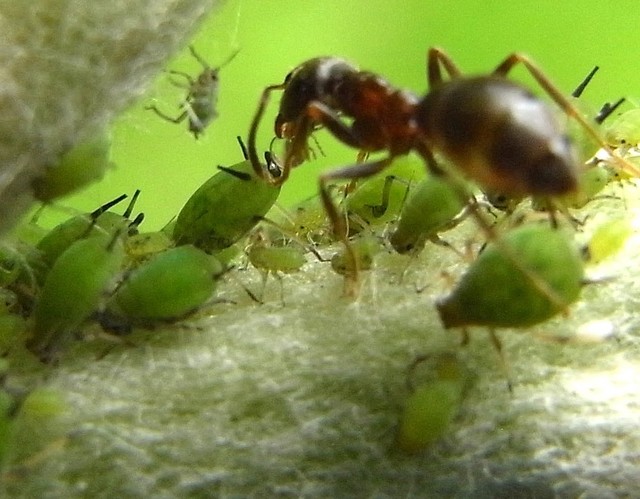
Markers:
point(73, 290)
point(379, 199)
point(365, 248)
point(308, 221)
point(81, 165)
point(276, 259)
point(624, 130)
point(432, 206)
point(432, 406)
point(494, 292)
point(169, 286)
point(607, 239)
point(224, 209)
point(99, 221)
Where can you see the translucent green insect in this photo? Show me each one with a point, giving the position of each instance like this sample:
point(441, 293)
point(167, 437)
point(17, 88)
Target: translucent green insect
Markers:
point(169, 286)
point(365, 247)
point(73, 290)
point(225, 208)
point(379, 199)
point(624, 130)
point(432, 406)
point(81, 165)
point(140, 247)
point(273, 255)
point(308, 221)
point(607, 239)
point(432, 206)
point(495, 293)
point(202, 95)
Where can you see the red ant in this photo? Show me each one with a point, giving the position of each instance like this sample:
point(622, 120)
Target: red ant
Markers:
point(492, 130)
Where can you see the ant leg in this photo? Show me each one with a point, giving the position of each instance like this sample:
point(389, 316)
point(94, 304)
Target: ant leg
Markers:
point(436, 58)
point(338, 223)
point(322, 114)
point(253, 131)
point(553, 92)
point(177, 119)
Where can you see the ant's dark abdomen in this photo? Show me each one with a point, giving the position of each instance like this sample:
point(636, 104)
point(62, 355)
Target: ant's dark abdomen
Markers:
point(500, 135)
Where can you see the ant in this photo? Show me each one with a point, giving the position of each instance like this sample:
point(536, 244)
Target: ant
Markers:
point(202, 94)
point(490, 129)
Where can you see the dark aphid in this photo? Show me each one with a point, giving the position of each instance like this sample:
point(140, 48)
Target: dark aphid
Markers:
point(224, 208)
point(494, 293)
point(200, 103)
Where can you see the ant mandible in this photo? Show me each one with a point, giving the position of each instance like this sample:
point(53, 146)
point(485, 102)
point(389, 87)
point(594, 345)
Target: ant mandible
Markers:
point(492, 130)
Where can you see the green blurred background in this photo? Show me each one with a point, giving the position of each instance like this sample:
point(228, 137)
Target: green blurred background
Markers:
point(566, 38)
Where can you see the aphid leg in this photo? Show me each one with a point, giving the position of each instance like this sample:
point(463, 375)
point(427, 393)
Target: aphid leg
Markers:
point(497, 344)
point(338, 223)
point(190, 81)
point(178, 119)
point(253, 131)
point(516, 58)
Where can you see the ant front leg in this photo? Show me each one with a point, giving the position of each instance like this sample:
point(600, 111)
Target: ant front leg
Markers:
point(253, 131)
point(553, 92)
point(437, 58)
point(337, 220)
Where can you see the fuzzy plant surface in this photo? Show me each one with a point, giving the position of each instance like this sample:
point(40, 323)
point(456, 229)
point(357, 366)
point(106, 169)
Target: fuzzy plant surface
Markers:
point(67, 68)
point(302, 396)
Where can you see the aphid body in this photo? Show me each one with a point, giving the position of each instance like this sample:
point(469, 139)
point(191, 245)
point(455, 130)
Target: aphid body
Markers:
point(200, 105)
point(494, 293)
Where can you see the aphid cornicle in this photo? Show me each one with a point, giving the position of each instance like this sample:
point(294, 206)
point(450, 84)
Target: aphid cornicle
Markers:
point(202, 95)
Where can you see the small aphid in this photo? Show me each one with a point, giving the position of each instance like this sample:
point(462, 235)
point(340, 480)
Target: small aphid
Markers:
point(432, 406)
point(433, 205)
point(271, 259)
point(224, 208)
point(169, 286)
point(379, 199)
point(624, 131)
point(81, 165)
point(607, 239)
point(494, 293)
point(365, 247)
point(202, 95)
point(140, 247)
